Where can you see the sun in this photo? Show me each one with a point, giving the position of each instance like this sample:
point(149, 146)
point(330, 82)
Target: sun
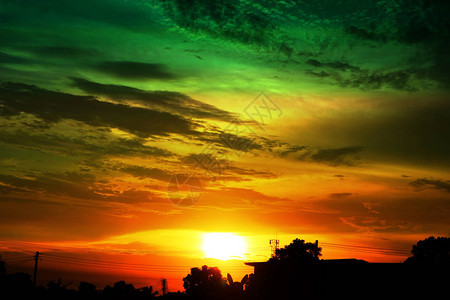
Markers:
point(223, 245)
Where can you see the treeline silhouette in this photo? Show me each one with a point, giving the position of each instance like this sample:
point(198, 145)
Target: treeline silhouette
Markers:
point(209, 283)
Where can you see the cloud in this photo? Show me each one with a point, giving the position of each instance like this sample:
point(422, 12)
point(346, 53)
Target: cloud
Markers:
point(376, 224)
point(212, 163)
point(384, 213)
point(173, 102)
point(128, 14)
point(334, 65)
point(424, 183)
point(344, 156)
point(71, 188)
point(64, 51)
point(251, 172)
point(6, 58)
point(135, 70)
point(143, 172)
point(347, 156)
point(239, 21)
point(92, 144)
point(408, 129)
point(340, 195)
point(320, 74)
point(61, 185)
point(51, 106)
point(415, 23)
point(231, 198)
point(365, 34)
point(338, 156)
point(368, 80)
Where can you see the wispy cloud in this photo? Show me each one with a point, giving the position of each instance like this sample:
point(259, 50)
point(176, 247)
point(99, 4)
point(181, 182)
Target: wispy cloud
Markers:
point(424, 183)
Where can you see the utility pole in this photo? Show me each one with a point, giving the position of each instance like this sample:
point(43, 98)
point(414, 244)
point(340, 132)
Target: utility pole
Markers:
point(36, 259)
point(316, 253)
point(164, 286)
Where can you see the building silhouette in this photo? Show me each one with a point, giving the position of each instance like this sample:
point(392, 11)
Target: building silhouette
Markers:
point(348, 278)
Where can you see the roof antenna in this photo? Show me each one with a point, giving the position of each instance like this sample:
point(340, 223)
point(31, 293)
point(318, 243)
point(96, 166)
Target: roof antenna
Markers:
point(274, 245)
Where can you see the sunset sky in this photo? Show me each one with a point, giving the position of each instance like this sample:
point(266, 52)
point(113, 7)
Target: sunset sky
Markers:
point(323, 120)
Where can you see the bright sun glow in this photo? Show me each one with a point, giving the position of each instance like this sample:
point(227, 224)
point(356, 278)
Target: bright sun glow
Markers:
point(223, 245)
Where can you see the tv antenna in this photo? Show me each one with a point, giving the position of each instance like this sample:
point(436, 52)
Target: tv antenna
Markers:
point(274, 245)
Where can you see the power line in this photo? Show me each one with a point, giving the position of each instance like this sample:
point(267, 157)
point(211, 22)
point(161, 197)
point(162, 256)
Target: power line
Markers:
point(365, 247)
point(15, 263)
point(120, 264)
point(153, 267)
point(109, 267)
point(377, 250)
point(103, 261)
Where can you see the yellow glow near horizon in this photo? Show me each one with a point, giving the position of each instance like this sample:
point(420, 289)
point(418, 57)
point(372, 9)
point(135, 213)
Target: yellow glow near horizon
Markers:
point(224, 246)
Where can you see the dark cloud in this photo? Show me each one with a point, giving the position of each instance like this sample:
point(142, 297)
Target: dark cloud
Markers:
point(135, 70)
point(82, 186)
point(334, 157)
point(134, 196)
point(423, 24)
point(239, 143)
point(6, 58)
point(367, 80)
point(365, 34)
point(55, 106)
point(334, 65)
point(162, 100)
point(212, 163)
point(228, 173)
point(293, 149)
point(320, 74)
point(331, 156)
point(92, 144)
point(232, 20)
point(60, 185)
point(250, 172)
point(243, 198)
point(424, 183)
point(411, 129)
point(127, 14)
point(385, 213)
point(340, 195)
point(143, 172)
point(65, 51)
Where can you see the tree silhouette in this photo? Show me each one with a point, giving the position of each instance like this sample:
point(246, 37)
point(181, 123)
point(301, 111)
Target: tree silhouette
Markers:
point(147, 292)
point(297, 252)
point(207, 281)
point(17, 284)
point(87, 290)
point(120, 290)
point(431, 251)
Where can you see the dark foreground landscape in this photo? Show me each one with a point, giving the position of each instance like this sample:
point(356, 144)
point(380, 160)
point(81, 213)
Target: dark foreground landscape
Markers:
point(293, 272)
